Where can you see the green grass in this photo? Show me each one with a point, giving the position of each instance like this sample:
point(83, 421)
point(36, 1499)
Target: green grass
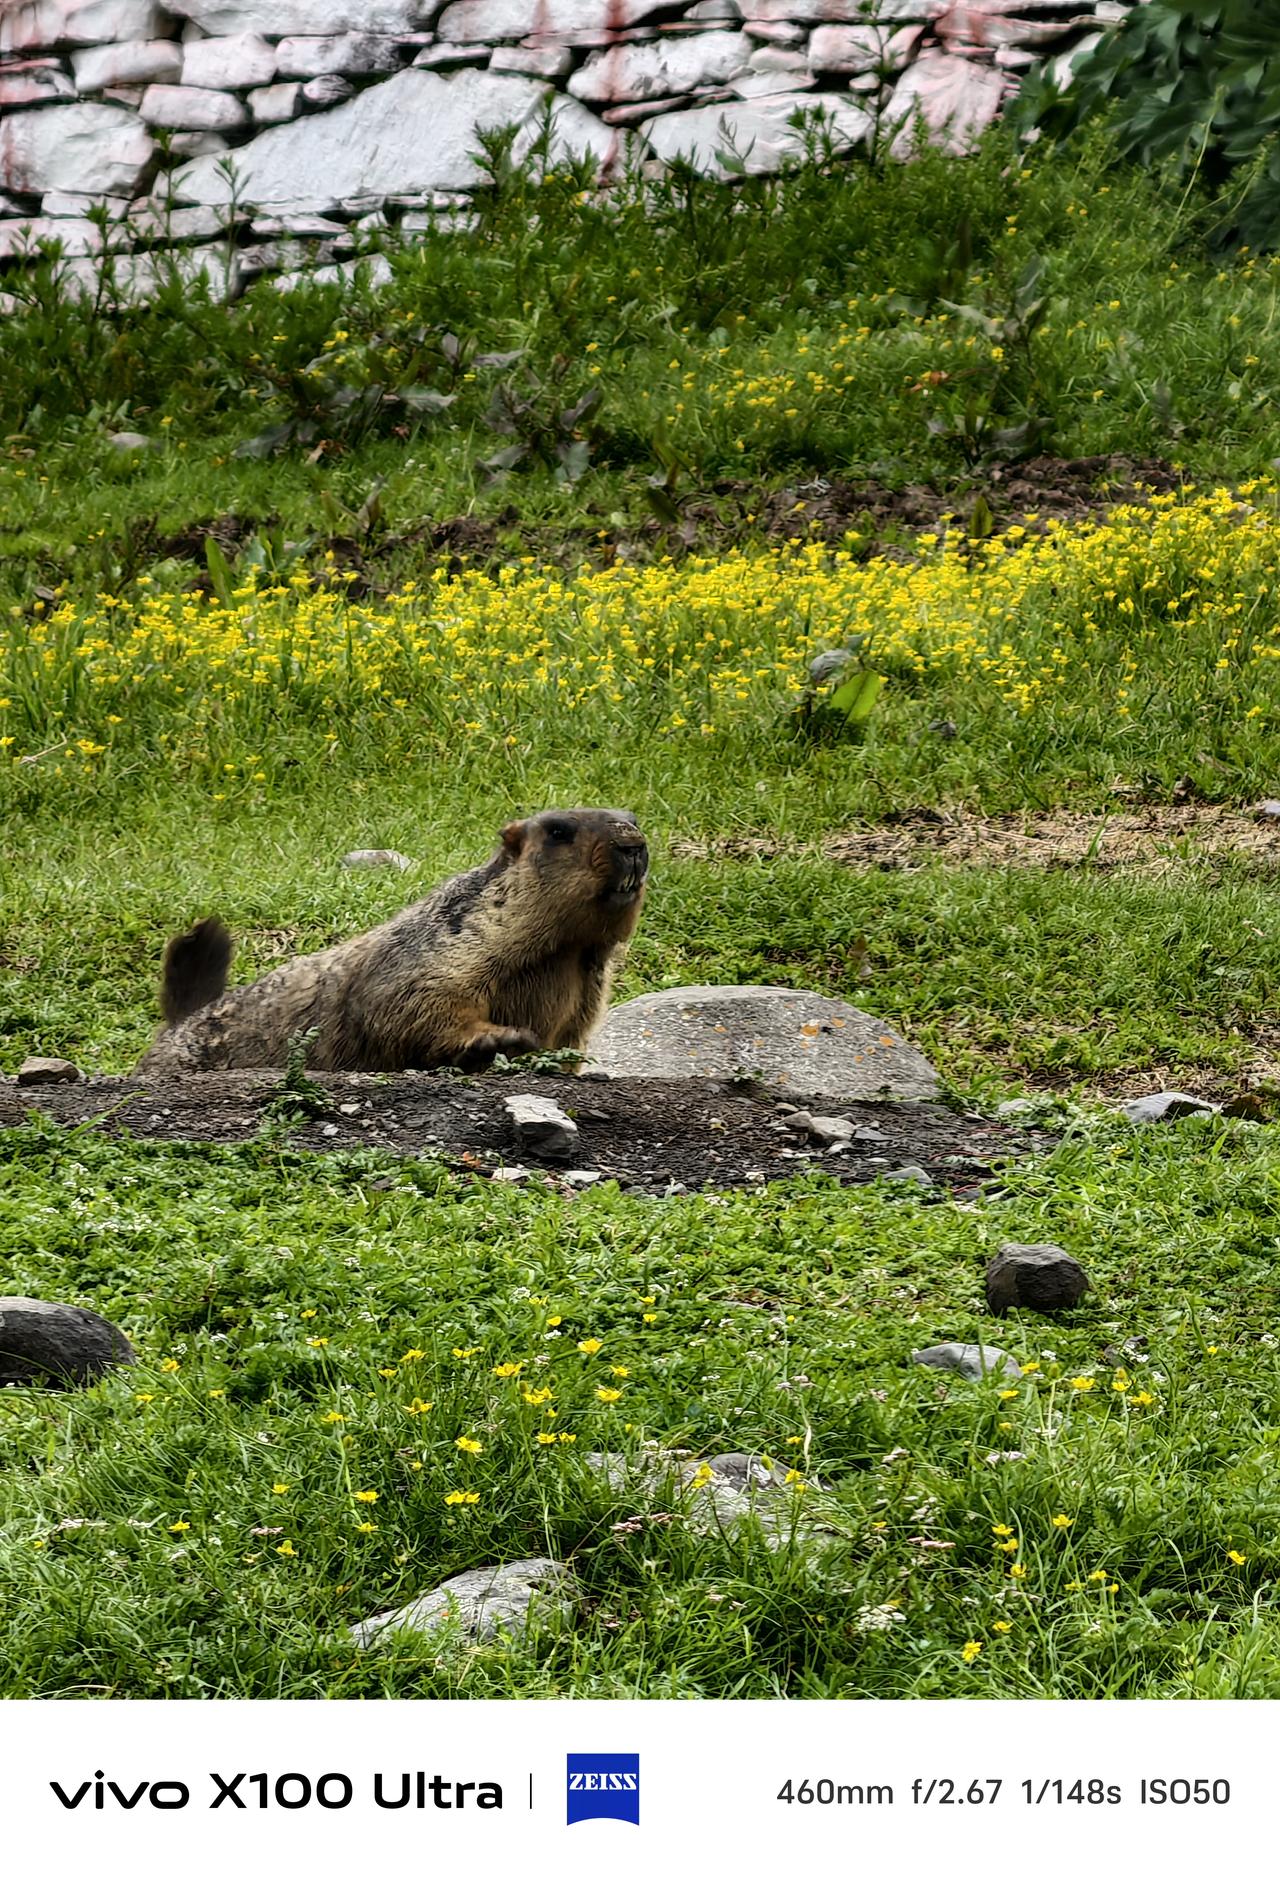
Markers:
point(700, 331)
point(288, 1289)
point(781, 1317)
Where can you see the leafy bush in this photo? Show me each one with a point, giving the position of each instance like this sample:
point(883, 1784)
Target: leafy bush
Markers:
point(1192, 82)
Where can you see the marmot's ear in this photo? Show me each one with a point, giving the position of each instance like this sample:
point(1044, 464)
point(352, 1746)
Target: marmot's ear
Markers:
point(513, 838)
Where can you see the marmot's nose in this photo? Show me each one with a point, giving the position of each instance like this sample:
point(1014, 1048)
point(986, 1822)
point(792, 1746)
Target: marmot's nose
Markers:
point(628, 837)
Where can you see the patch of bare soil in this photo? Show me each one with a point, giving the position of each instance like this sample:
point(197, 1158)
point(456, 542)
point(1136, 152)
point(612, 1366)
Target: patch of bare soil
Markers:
point(1155, 838)
point(730, 512)
point(647, 1135)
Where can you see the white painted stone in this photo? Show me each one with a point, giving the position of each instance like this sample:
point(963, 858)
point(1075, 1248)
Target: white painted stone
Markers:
point(660, 69)
point(491, 20)
point(844, 12)
point(714, 10)
point(575, 133)
point(138, 277)
point(230, 64)
point(956, 98)
point(142, 62)
point(769, 84)
point(778, 59)
point(198, 143)
point(759, 132)
point(374, 270)
point(846, 48)
point(42, 23)
point(76, 235)
point(534, 61)
point(322, 94)
point(775, 32)
point(278, 18)
point(156, 221)
point(274, 104)
point(37, 84)
point(77, 203)
point(309, 56)
point(88, 147)
point(187, 108)
point(445, 56)
point(270, 228)
point(1059, 71)
point(415, 131)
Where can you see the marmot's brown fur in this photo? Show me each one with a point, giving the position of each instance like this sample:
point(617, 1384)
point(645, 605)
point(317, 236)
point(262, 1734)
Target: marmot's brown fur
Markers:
point(510, 958)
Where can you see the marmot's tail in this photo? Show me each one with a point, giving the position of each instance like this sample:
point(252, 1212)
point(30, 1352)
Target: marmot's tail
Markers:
point(195, 969)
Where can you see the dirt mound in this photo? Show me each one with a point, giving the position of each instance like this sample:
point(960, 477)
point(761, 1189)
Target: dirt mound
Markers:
point(646, 1134)
point(1155, 838)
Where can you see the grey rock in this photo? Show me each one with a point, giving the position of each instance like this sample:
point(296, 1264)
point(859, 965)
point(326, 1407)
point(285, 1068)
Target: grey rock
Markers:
point(130, 441)
point(969, 1360)
point(36, 1071)
point(374, 859)
point(822, 1130)
point(49, 1343)
point(541, 1128)
point(792, 1040)
point(714, 1495)
point(909, 1173)
point(509, 1173)
point(1165, 1108)
point(277, 18)
point(1016, 1108)
point(505, 1598)
point(1036, 1275)
point(355, 54)
point(1268, 810)
point(582, 1179)
point(845, 49)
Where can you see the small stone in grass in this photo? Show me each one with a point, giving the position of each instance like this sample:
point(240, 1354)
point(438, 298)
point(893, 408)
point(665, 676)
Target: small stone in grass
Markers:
point(969, 1360)
point(376, 860)
point(1165, 1107)
point(47, 1072)
point(1036, 1275)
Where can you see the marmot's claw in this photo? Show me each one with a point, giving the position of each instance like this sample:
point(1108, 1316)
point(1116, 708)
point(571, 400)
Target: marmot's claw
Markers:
point(481, 1048)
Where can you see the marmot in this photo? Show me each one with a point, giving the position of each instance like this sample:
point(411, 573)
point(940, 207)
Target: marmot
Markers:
point(513, 957)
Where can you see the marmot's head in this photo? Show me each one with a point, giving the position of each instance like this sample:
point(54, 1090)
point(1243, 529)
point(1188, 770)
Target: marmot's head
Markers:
point(590, 860)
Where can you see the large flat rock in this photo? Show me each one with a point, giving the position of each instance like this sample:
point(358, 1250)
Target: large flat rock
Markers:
point(93, 148)
point(414, 132)
point(792, 1040)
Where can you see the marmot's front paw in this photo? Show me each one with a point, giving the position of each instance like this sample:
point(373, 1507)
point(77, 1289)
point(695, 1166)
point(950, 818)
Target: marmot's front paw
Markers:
point(512, 1041)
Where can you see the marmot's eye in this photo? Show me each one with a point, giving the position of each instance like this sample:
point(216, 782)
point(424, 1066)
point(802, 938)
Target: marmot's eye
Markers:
point(560, 833)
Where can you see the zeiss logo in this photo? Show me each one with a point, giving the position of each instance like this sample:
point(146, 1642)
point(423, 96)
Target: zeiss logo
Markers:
point(604, 1785)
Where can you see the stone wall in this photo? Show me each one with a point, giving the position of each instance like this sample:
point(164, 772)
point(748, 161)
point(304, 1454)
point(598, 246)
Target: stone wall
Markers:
point(346, 118)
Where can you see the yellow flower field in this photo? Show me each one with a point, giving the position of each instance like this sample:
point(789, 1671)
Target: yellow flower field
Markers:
point(1175, 597)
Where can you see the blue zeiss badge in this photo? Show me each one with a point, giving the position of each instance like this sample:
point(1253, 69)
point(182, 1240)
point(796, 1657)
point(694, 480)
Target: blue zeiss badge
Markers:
point(604, 1785)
